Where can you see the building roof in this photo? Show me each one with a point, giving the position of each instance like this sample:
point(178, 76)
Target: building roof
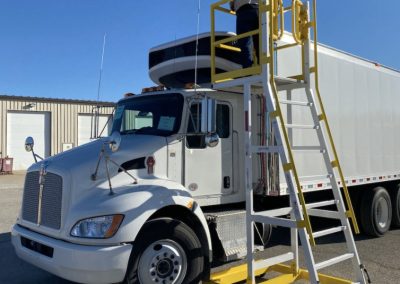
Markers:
point(56, 100)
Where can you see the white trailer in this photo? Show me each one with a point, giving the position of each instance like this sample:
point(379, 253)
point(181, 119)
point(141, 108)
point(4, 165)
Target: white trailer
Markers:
point(165, 197)
point(360, 98)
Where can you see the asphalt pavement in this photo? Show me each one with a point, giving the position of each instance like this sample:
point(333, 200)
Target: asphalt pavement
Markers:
point(381, 256)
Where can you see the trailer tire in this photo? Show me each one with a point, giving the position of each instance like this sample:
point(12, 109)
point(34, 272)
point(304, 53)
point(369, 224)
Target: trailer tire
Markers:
point(376, 213)
point(166, 251)
point(395, 194)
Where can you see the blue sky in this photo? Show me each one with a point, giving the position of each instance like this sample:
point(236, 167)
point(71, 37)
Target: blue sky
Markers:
point(52, 48)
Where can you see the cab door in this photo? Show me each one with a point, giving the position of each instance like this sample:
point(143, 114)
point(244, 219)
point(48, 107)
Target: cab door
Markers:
point(208, 170)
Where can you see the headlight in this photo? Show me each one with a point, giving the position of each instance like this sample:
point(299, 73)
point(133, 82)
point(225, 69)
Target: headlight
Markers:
point(102, 227)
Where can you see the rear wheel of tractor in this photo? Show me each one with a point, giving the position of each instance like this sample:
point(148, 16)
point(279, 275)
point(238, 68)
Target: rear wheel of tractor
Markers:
point(166, 251)
point(262, 234)
point(395, 194)
point(376, 212)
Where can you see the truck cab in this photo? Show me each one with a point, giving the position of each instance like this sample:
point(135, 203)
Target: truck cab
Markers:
point(128, 208)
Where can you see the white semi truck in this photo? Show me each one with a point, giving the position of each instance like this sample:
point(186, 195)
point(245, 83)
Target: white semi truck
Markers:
point(161, 197)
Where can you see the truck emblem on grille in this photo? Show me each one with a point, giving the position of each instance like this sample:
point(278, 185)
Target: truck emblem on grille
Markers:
point(42, 174)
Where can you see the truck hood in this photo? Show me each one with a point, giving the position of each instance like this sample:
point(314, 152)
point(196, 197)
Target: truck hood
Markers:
point(85, 157)
point(76, 166)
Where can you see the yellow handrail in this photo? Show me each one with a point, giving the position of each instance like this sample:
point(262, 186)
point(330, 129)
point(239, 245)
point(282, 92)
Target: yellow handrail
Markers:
point(279, 19)
point(291, 165)
point(221, 44)
point(300, 26)
point(335, 163)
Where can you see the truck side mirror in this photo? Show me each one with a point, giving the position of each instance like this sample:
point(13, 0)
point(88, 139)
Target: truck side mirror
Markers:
point(115, 141)
point(29, 144)
point(208, 121)
point(208, 115)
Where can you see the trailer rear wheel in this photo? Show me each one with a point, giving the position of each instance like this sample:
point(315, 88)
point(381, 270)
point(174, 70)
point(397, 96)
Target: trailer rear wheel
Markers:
point(376, 212)
point(395, 194)
point(166, 251)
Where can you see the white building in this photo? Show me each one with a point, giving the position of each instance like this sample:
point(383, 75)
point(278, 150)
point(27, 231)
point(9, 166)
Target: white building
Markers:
point(55, 124)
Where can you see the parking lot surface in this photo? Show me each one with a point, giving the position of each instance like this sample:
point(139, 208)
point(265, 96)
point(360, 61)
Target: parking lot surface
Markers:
point(381, 256)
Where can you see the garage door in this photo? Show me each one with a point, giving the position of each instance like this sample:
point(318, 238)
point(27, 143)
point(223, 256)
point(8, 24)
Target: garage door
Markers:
point(21, 125)
point(84, 127)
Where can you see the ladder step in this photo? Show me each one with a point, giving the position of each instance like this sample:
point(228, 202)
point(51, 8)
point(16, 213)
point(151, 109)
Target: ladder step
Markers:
point(263, 217)
point(265, 263)
point(333, 261)
point(291, 86)
point(296, 103)
point(328, 214)
point(302, 126)
point(276, 212)
point(329, 231)
point(321, 204)
point(281, 81)
point(315, 178)
point(317, 149)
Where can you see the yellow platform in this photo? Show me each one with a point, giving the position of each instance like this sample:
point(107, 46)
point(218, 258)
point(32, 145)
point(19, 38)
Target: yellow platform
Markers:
point(239, 274)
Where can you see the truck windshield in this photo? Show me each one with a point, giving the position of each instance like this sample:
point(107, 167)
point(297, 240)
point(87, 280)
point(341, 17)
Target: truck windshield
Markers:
point(152, 115)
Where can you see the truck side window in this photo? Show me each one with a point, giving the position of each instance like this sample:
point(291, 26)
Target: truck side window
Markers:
point(197, 141)
point(194, 140)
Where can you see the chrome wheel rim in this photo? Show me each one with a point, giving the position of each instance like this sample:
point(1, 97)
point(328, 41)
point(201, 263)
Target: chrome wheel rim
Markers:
point(382, 212)
point(163, 262)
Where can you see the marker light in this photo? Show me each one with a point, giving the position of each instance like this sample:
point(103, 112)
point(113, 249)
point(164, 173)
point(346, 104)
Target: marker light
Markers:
point(150, 162)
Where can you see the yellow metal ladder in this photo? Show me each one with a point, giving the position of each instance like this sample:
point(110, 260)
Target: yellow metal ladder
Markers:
point(262, 77)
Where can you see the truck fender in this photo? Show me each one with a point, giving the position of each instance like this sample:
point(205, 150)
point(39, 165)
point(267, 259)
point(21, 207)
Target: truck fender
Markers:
point(163, 202)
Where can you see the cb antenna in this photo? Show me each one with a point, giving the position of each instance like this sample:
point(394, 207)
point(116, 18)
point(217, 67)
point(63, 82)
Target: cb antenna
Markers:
point(101, 67)
point(197, 45)
point(96, 109)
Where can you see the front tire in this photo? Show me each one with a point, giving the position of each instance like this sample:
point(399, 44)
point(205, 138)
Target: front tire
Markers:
point(166, 251)
point(376, 212)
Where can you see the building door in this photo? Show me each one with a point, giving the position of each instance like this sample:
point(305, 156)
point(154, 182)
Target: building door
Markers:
point(208, 170)
point(21, 125)
point(85, 127)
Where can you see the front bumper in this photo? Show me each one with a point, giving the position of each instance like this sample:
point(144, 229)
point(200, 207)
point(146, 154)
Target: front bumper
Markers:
point(78, 263)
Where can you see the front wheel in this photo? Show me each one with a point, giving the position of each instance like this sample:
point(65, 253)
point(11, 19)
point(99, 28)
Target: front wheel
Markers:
point(166, 251)
point(376, 212)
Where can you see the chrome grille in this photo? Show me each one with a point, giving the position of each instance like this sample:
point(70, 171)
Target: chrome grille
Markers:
point(51, 200)
point(30, 201)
